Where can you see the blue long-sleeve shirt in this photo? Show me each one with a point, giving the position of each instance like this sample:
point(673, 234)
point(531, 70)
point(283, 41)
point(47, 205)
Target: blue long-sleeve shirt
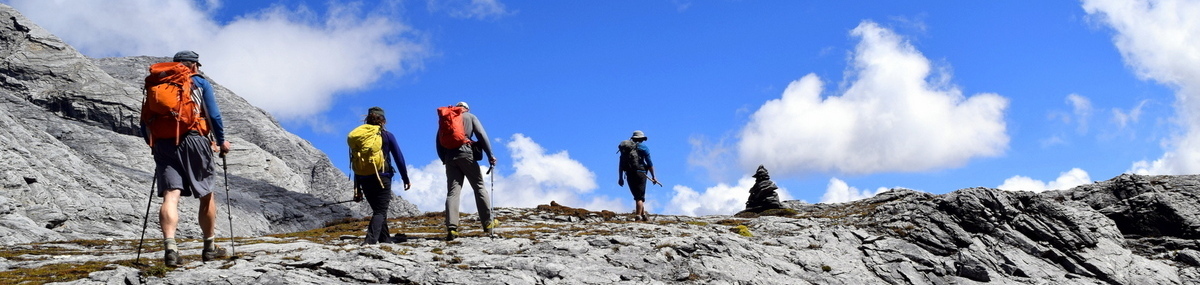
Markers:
point(391, 152)
point(215, 125)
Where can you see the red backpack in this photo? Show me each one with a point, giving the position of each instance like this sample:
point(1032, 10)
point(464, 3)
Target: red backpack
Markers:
point(451, 133)
point(171, 108)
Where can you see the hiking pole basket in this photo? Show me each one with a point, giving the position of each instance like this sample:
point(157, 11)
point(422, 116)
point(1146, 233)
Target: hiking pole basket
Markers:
point(146, 218)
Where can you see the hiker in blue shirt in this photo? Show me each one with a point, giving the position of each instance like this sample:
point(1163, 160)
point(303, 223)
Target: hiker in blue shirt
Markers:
point(377, 189)
point(184, 167)
point(635, 163)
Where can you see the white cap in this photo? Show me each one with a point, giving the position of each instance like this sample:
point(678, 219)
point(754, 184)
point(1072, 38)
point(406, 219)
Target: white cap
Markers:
point(463, 104)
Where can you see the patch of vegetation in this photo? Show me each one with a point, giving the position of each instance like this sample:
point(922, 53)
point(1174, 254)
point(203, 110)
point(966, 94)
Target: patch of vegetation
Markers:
point(826, 268)
point(731, 222)
point(63, 272)
point(742, 230)
point(580, 213)
point(746, 215)
point(436, 250)
point(696, 223)
point(785, 212)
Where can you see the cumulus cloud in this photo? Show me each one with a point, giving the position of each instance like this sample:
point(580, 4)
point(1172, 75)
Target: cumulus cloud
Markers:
point(1065, 180)
point(889, 118)
point(1160, 41)
point(289, 61)
point(839, 192)
point(723, 199)
point(538, 178)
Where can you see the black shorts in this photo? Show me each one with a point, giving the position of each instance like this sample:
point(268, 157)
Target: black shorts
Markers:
point(637, 184)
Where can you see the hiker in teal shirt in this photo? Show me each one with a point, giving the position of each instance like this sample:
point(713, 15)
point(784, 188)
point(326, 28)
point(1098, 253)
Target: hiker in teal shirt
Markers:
point(634, 165)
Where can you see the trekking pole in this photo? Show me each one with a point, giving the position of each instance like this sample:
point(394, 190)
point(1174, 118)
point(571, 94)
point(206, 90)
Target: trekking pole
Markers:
point(228, 208)
point(146, 219)
point(492, 199)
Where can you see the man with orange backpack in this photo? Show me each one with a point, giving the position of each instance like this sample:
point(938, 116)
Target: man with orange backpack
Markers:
point(179, 115)
point(460, 155)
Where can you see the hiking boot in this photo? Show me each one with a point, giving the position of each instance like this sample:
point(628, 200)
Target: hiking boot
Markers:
point(645, 218)
point(488, 229)
point(399, 238)
point(451, 233)
point(216, 253)
point(171, 258)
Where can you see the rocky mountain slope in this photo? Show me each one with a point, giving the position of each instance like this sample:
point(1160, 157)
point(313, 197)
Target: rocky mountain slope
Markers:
point(73, 164)
point(75, 178)
point(1128, 230)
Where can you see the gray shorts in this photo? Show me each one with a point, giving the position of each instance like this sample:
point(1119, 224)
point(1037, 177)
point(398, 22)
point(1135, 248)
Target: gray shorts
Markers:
point(188, 166)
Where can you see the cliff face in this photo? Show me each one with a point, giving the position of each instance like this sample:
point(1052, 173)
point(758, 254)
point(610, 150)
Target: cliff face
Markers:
point(73, 164)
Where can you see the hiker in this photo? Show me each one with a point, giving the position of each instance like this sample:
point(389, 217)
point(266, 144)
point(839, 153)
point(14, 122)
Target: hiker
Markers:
point(460, 154)
point(372, 150)
point(177, 119)
point(634, 164)
point(762, 195)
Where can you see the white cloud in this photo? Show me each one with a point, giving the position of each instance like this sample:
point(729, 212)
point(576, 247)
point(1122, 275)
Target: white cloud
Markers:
point(1124, 118)
point(538, 178)
point(1065, 180)
point(722, 199)
point(1082, 108)
point(839, 192)
point(467, 9)
point(889, 118)
point(1160, 41)
point(715, 158)
point(288, 61)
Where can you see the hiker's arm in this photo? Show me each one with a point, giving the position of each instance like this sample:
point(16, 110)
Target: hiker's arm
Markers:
point(620, 176)
point(644, 152)
point(216, 124)
point(441, 152)
point(483, 138)
point(398, 157)
point(357, 193)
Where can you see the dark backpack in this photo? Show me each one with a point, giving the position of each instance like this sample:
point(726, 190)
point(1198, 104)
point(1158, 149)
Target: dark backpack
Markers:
point(631, 160)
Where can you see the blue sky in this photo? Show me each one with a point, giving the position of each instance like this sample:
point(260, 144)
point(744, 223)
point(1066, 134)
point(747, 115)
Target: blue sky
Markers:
point(839, 99)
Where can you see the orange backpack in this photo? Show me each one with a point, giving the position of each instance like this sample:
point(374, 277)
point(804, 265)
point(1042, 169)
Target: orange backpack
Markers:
point(451, 134)
point(172, 107)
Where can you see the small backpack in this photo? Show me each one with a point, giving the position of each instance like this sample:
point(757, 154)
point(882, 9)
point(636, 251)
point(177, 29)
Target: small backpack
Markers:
point(366, 149)
point(172, 106)
point(451, 133)
point(631, 160)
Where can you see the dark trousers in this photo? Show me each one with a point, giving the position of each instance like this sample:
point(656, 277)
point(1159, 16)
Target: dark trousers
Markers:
point(379, 196)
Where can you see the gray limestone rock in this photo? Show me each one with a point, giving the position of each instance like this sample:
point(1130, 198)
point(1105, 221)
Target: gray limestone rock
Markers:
point(73, 164)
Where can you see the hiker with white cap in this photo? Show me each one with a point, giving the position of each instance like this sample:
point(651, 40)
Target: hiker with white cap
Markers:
point(460, 154)
point(635, 163)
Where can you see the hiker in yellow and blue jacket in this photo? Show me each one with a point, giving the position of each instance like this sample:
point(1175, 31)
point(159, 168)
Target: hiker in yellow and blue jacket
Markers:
point(376, 187)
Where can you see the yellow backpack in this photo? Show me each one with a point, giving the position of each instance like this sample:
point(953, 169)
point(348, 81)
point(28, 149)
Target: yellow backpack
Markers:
point(366, 150)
